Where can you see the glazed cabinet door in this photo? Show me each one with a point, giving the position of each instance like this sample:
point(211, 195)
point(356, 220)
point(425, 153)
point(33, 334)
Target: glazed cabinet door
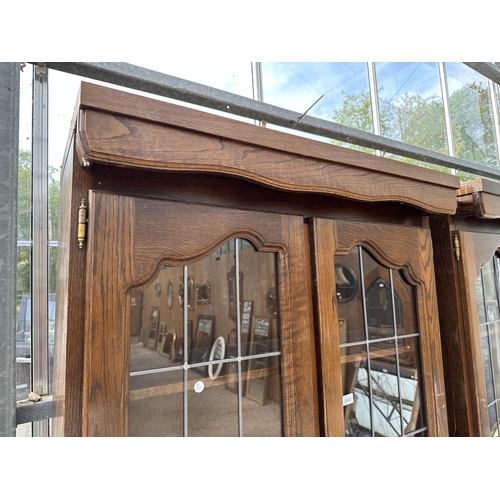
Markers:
point(198, 322)
point(377, 322)
point(479, 284)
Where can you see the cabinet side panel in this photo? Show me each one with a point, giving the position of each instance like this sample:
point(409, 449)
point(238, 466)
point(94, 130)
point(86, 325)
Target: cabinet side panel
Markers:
point(70, 305)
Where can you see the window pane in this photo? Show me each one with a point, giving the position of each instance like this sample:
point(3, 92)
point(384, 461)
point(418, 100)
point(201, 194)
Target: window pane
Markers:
point(156, 405)
point(209, 296)
point(493, 419)
point(382, 393)
point(385, 391)
point(356, 391)
point(488, 372)
point(406, 294)
point(494, 334)
point(212, 409)
point(411, 384)
point(235, 77)
point(261, 406)
point(471, 115)
point(411, 105)
point(344, 87)
point(349, 297)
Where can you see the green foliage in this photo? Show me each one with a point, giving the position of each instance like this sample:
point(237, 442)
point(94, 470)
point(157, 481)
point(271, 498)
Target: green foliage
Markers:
point(419, 121)
point(24, 229)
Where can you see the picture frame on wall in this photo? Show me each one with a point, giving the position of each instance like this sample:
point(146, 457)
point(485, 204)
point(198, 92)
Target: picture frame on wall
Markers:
point(152, 337)
point(168, 347)
point(161, 332)
point(203, 341)
point(246, 318)
point(260, 334)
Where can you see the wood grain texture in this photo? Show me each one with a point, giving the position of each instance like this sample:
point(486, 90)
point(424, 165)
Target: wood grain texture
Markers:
point(485, 245)
point(480, 197)
point(455, 325)
point(109, 271)
point(326, 326)
point(182, 140)
point(70, 313)
point(126, 104)
point(225, 191)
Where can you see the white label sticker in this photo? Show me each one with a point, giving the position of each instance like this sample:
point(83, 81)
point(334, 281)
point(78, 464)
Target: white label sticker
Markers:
point(199, 386)
point(347, 399)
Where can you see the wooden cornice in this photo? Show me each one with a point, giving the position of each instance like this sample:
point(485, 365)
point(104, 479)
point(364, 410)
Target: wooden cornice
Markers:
point(127, 130)
point(479, 197)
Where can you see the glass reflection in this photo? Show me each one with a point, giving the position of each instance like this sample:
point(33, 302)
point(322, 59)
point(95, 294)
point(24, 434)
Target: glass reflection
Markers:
point(380, 361)
point(212, 409)
point(349, 297)
point(221, 331)
point(471, 115)
point(487, 295)
point(259, 331)
point(410, 104)
point(341, 87)
point(156, 405)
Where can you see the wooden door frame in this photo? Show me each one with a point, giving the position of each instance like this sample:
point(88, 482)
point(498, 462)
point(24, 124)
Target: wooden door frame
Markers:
point(113, 268)
point(340, 237)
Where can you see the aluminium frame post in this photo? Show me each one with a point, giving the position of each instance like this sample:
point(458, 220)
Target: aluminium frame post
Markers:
point(39, 302)
point(9, 157)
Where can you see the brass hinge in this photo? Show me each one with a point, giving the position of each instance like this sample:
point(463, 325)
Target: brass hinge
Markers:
point(456, 244)
point(82, 224)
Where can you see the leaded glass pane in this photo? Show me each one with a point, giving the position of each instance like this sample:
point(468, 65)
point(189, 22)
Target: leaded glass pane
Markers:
point(385, 389)
point(357, 415)
point(349, 297)
point(488, 372)
point(381, 373)
point(205, 350)
point(156, 405)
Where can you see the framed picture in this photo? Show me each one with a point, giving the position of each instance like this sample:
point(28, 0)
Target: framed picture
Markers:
point(161, 333)
point(168, 347)
point(246, 317)
point(261, 328)
point(152, 337)
point(203, 341)
point(203, 293)
point(217, 352)
point(256, 386)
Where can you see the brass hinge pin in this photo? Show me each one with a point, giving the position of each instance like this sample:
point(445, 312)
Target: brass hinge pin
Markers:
point(82, 224)
point(456, 243)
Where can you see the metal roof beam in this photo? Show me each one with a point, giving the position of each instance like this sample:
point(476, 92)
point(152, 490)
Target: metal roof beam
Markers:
point(487, 69)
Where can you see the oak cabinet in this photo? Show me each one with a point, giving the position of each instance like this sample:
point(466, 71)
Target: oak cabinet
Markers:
point(239, 281)
point(467, 278)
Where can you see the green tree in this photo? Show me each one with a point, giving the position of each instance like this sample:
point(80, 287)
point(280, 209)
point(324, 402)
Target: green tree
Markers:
point(24, 228)
point(473, 131)
point(419, 121)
